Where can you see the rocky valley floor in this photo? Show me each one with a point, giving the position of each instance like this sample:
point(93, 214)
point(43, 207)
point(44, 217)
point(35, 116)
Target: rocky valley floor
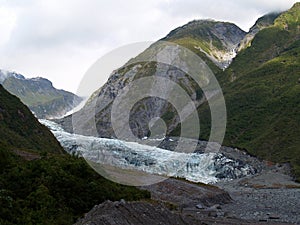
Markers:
point(269, 197)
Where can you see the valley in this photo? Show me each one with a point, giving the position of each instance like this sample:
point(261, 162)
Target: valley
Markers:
point(242, 189)
point(134, 153)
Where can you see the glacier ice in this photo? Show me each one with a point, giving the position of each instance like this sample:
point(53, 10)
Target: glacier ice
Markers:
point(196, 167)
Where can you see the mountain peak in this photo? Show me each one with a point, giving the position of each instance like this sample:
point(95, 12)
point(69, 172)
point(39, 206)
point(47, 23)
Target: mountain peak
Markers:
point(261, 23)
point(42, 81)
point(264, 21)
point(296, 5)
point(210, 39)
point(204, 29)
point(290, 18)
point(39, 94)
point(6, 74)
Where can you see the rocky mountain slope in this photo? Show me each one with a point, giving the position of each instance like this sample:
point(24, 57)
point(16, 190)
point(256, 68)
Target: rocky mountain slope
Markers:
point(39, 95)
point(128, 213)
point(260, 86)
point(262, 90)
point(215, 42)
point(171, 202)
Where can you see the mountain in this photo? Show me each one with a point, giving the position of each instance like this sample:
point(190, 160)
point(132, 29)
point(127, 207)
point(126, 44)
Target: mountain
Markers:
point(39, 184)
point(215, 42)
point(260, 86)
point(260, 24)
point(39, 95)
point(20, 130)
point(212, 39)
point(262, 93)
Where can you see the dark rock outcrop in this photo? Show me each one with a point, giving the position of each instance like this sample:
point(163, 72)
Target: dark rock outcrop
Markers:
point(129, 213)
point(187, 195)
point(174, 202)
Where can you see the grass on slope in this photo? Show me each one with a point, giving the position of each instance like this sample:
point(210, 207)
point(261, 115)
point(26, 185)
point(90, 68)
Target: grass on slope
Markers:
point(266, 45)
point(29, 92)
point(263, 114)
point(262, 93)
point(19, 129)
point(194, 45)
point(40, 96)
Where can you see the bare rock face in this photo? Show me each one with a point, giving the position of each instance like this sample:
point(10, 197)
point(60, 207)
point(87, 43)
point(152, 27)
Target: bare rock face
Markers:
point(187, 195)
point(98, 109)
point(129, 213)
point(176, 202)
point(217, 40)
point(214, 42)
point(173, 202)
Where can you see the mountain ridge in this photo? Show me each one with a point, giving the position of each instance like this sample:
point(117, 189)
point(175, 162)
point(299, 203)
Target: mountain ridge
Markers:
point(264, 74)
point(39, 182)
point(261, 89)
point(212, 30)
point(39, 94)
point(262, 22)
point(217, 40)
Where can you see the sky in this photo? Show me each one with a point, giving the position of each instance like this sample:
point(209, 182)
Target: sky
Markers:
point(61, 39)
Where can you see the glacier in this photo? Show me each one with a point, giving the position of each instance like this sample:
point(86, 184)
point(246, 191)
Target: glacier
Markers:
point(195, 167)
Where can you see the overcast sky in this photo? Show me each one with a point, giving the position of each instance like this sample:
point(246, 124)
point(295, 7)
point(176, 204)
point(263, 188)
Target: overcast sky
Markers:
point(61, 39)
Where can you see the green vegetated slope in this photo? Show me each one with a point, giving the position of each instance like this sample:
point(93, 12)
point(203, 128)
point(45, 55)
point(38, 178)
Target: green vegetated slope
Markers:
point(55, 190)
point(262, 93)
point(261, 85)
point(262, 22)
point(265, 21)
point(52, 187)
point(40, 95)
point(19, 129)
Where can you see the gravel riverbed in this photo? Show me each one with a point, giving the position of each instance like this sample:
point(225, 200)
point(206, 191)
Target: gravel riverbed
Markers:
point(269, 196)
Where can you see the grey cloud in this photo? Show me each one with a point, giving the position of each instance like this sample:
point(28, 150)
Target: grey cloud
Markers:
point(80, 22)
point(240, 12)
point(59, 39)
